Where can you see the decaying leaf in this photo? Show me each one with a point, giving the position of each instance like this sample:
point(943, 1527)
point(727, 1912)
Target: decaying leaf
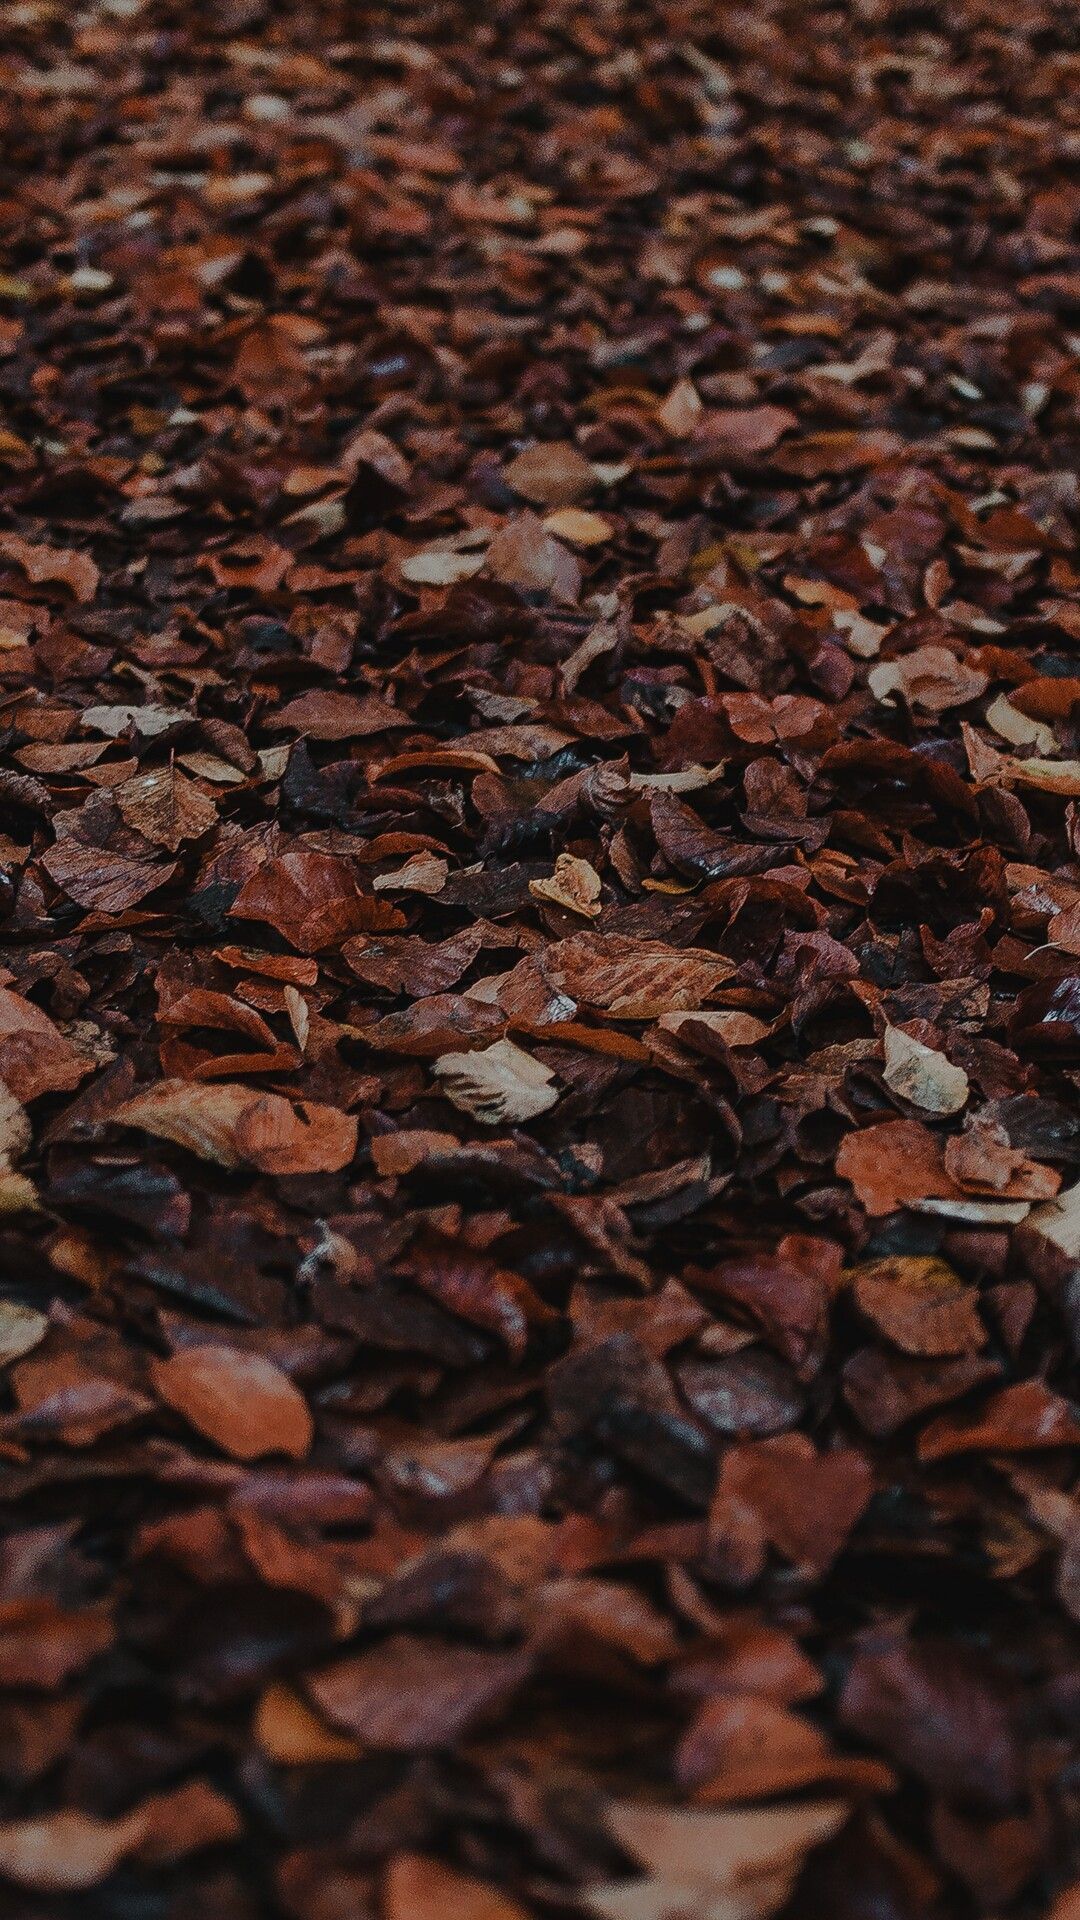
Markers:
point(166, 808)
point(66, 1852)
point(920, 1305)
point(21, 1329)
point(551, 474)
point(35, 1057)
point(416, 1888)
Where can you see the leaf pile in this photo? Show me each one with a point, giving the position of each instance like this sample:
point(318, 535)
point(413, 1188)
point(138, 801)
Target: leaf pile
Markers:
point(539, 927)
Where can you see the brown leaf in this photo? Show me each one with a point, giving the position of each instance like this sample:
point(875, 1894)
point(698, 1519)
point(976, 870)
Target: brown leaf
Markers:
point(35, 1058)
point(237, 1126)
point(919, 1304)
point(411, 1695)
point(43, 565)
point(1027, 1417)
point(166, 808)
point(240, 1401)
point(551, 474)
point(310, 898)
point(419, 1889)
point(892, 1164)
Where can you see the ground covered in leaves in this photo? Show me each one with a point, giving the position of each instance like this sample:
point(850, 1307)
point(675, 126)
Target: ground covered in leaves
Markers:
point(539, 1012)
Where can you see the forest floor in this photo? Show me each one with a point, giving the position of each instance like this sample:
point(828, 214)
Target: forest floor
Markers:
point(539, 961)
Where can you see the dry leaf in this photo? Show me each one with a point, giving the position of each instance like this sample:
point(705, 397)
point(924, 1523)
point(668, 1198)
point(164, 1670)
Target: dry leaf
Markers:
point(21, 1329)
point(931, 678)
point(578, 528)
point(35, 1058)
point(920, 1304)
point(551, 474)
point(66, 1852)
point(238, 1126)
point(291, 1735)
point(724, 1865)
point(422, 873)
point(574, 885)
point(240, 1401)
point(166, 808)
point(921, 1075)
point(498, 1085)
point(416, 1888)
point(1017, 728)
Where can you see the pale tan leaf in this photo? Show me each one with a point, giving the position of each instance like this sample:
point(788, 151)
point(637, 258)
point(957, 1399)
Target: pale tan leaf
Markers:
point(1018, 728)
point(574, 885)
point(440, 567)
point(932, 679)
point(1058, 1220)
point(422, 873)
point(922, 1075)
point(66, 1852)
point(578, 527)
point(21, 1329)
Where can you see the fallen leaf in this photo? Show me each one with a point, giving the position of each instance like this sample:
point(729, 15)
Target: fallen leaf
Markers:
point(931, 678)
point(919, 1304)
point(1023, 1418)
point(238, 1126)
point(922, 1075)
point(725, 1865)
point(413, 1696)
point(166, 808)
point(240, 1401)
point(551, 474)
point(573, 885)
point(21, 1329)
point(35, 1057)
point(416, 1888)
point(498, 1085)
point(66, 1852)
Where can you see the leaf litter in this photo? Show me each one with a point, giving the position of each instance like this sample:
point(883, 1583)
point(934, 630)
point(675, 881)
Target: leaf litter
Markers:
point(540, 899)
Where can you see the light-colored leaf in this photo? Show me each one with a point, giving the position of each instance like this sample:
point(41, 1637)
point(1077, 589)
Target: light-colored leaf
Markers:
point(497, 1085)
point(574, 885)
point(1018, 728)
point(21, 1329)
point(66, 1852)
point(422, 873)
point(922, 1075)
